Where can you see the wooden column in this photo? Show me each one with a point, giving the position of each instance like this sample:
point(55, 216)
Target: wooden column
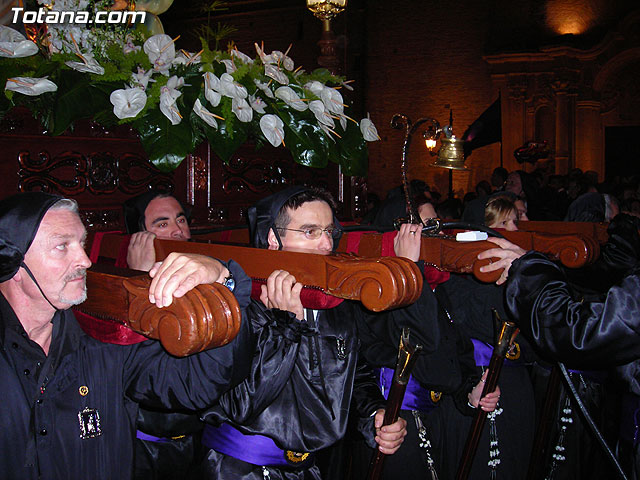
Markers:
point(589, 137)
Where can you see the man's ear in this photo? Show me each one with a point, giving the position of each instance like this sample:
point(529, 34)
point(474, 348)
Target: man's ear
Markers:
point(272, 240)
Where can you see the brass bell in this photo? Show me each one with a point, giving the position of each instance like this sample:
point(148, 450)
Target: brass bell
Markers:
point(451, 154)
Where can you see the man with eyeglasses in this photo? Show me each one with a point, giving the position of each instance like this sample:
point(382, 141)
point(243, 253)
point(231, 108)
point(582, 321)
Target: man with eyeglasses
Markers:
point(306, 380)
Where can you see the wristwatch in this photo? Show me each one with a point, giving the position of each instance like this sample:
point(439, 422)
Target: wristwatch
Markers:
point(229, 282)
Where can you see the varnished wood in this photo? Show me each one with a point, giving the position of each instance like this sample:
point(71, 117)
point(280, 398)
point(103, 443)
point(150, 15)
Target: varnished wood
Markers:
point(208, 316)
point(379, 283)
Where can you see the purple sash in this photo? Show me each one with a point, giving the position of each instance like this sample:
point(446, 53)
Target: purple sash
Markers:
point(482, 353)
point(254, 449)
point(151, 438)
point(416, 397)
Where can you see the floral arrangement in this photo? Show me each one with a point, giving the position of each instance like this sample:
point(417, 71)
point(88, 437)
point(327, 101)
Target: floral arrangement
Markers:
point(176, 99)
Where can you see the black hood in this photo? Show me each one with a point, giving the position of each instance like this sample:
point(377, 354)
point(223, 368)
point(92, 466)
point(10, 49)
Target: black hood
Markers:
point(263, 214)
point(20, 217)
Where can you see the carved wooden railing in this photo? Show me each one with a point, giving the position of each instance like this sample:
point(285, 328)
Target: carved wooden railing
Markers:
point(206, 317)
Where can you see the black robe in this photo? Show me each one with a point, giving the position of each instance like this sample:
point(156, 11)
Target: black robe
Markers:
point(43, 395)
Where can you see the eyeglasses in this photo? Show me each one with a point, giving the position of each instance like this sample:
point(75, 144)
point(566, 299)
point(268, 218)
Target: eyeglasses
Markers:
point(316, 232)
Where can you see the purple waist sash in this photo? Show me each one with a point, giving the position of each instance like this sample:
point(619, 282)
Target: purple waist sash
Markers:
point(416, 397)
point(151, 438)
point(481, 352)
point(254, 449)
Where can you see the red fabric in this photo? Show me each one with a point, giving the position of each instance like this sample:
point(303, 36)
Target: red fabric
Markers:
point(435, 277)
point(311, 297)
point(353, 241)
point(108, 331)
point(387, 249)
point(121, 261)
point(97, 242)
point(225, 236)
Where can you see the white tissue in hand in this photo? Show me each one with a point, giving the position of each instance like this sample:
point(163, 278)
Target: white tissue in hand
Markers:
point(473, 236)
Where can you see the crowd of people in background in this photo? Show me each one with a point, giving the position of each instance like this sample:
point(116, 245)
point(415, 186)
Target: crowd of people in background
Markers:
point(537, 196)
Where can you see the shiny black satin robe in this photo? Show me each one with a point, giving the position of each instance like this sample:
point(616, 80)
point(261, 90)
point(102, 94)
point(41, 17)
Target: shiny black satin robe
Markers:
point(304, 376)
point(583, 334)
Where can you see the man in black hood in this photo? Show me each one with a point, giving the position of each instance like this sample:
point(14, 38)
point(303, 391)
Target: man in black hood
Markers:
point(69, 401)
point(306, 379)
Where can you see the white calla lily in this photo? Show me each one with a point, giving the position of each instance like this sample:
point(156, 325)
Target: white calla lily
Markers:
point(332, 100)
point(230, 88)
point(272, 128)
point(242, 109)
point(204, 114)
point(161, 52)
point(321, 113)
point(368, 129)
point(30, 86)
point(14, 44)
point(128, 102)
point(291, 98)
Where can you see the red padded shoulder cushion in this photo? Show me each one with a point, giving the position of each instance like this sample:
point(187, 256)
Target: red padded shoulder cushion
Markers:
point(311, 297)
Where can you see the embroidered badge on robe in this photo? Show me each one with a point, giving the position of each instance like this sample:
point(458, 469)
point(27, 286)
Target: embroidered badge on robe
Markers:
point(89, 419)
point(341, 347)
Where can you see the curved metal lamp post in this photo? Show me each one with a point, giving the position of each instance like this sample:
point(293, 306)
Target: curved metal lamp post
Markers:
point(399, 122)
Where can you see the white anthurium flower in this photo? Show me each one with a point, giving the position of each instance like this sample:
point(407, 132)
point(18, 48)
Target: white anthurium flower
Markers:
point(282, 59)
point(88, 65)
point(14, 44)
point(257, 104)
point(161, 52)
point(229, 65)
point(368, 129)
point(230, 88)
point(332, 100)
point(212, 89)
point(328, 130)
point(272, 71)
point(30, 86)
point(291, 98)
point(321, 113)
point(343, 121)
point(273, 129)
point(128, 102)
point(168, 96)
point(204, 114)
point(314, 87)
point(264, 87)
point(243, 57)
point(242, 109)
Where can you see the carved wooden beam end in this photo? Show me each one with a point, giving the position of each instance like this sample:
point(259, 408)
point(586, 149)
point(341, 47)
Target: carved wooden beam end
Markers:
point(380, 284)
point(208, 316)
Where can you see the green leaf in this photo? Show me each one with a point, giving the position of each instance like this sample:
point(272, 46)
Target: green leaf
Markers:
point(306, 140)
point(166, 144)
point(353, 153)
point(77, 98)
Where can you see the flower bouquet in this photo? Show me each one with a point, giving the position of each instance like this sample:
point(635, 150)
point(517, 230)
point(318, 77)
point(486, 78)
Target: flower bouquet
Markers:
point(176, 99)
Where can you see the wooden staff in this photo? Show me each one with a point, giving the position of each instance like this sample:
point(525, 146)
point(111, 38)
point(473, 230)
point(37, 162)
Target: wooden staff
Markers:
point(506, 333)
point(542, 438)
point(407, 355)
